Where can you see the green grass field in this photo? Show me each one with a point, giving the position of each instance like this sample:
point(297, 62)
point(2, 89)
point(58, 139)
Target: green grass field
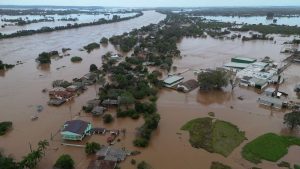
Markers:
point(214, 135)
point(270, 147)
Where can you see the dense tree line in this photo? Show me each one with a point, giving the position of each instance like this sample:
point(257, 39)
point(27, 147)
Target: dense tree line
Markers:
point(270, 29)
point(69, 26)
point(5, 66)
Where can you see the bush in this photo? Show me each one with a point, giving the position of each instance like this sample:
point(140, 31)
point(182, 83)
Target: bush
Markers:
point(140, 142)
point(218, 165)
point(104, 40)
point(143, 165)
point(107, 118)
point(133, 162)
point(128, 113)
point(44, 58)
point(87, 109)
point(5, 126)
point(92, 148)
point(90, 47)
point(76, 59)
point(93, 68)
point(65, 161)
point(284, 164)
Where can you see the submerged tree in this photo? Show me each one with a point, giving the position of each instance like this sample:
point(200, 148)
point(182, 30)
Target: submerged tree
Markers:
point(292, 120)
point(65, 161)
point(92, 148)
point(213, 79)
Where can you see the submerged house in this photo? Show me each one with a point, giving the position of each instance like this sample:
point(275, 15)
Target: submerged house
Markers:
point(98, 111)
point(272, 102)
point(111, 102)
point(297, 88)
point(171, 81)
point(188, 85)
point(102, 164)
point(75, 130)
point(109, 153)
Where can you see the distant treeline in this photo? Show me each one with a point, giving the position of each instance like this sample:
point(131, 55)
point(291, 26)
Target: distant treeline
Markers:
point(270, 29)
point(69, 26)
point(246, 11)
point(46, 11)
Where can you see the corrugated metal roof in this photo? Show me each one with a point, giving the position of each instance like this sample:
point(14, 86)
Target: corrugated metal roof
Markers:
point(172, 79)
point(244, 58)
point(236, 65)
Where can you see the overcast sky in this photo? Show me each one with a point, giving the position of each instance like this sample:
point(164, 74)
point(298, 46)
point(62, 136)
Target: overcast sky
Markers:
point(154, 3)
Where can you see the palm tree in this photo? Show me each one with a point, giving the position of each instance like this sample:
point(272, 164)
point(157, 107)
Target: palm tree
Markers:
point(42, 145)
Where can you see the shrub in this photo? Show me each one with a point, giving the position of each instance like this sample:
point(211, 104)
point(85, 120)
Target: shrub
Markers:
point(92, 148)
point(5, 126)
point(76, 59)
point(107, 118)
point(133, 162)
point(140, 142)
point(90, 47)
point(65, 161)
point(143, 165)
point(104, 40)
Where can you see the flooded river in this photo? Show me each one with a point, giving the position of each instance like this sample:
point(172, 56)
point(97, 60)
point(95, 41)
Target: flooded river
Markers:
point(20, 92)
point(82, 18)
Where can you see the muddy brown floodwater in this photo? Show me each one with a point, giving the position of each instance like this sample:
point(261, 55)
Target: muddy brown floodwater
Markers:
point(20, 92)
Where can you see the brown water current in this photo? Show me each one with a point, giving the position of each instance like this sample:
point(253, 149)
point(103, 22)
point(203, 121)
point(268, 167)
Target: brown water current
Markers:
point(20, 92)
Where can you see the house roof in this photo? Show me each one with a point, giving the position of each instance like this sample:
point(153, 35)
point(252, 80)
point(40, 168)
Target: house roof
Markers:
point(98, 110)
point(101, 164)
point(110, 102)
point(236, 65)
point(172, 79)
point(76, 126)
point(111, 153)
point(190, 84)
point(244, 58)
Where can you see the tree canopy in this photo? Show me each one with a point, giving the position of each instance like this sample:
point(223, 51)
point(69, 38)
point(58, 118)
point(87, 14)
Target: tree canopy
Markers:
point(65, 161)
point(213, 79)
point(292, 120)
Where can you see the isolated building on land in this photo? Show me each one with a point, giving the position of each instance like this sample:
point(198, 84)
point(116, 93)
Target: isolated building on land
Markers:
point(188, 85)
point(171, 81)
point(75, 130)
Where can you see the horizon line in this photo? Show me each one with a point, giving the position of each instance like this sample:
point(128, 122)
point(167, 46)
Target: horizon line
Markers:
point(249, 6)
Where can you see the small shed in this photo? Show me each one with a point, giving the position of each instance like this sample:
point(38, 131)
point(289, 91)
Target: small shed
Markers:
point(171, 81)
point(72, 88)
point(270, 91)
point(258, 83)
point(98, 111)
point(240, 59)
point(102, 164)
point(56, 102)
point(188, 85)
point(236, 65)
point(108, 102)
point(111, 154)
point(272, 102)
